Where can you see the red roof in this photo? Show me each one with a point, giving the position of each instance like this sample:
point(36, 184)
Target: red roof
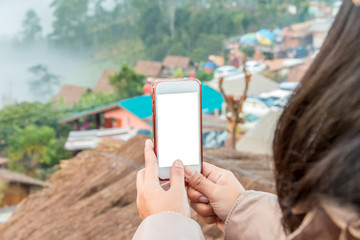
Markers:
point(70, 94)
point(297, 73)
point(274, 65)
point(148, 68)
point(103, 84)
point(177, 61)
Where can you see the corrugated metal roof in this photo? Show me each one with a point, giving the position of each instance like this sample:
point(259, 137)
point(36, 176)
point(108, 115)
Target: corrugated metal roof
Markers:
point(141, 106)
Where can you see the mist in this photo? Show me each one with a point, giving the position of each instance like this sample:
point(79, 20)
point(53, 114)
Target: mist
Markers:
point(16, 59)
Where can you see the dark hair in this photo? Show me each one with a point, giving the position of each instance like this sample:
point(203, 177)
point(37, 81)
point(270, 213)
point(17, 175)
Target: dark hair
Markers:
point(317, 139)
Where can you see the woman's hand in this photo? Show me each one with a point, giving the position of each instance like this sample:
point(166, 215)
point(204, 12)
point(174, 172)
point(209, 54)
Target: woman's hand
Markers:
point(212, 194)
point(152, 198)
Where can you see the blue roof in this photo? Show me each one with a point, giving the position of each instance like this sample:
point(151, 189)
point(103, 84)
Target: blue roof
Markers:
point(211, 100)
point(141, 106)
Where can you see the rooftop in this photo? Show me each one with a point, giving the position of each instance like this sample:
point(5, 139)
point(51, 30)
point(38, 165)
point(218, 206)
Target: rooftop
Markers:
point(141, 106)
point(148, 68)
point(103, 84)
point(70, 93)
point(176, 61)
point(7, 176)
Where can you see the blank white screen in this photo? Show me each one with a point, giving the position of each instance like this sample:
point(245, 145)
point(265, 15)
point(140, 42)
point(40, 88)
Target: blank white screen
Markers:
point(178, 128)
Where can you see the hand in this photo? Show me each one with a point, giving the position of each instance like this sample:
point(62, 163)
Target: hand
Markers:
point(212, 194)
point(152, 198)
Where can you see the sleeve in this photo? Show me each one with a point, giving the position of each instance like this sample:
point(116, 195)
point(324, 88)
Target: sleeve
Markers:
point(168, 225)
point(256, 216)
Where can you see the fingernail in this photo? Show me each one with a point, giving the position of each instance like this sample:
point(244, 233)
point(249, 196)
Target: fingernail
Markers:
point(204, 199)
point(179, 164)
point(189, 171)
point(149, 143)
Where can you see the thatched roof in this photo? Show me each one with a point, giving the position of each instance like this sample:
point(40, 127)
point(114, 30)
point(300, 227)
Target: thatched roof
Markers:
point(176, 61)
point(93, 196)
point(7, 176)
point(70, 93)
point(149, 68)
point(103, 84)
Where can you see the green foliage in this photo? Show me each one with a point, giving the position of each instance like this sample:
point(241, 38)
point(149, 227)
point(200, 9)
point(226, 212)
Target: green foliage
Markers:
point(20, 115)
point(32, 146)
point(178, 73)
point(176, 27)
point(92, 99)
point(202, 75)
point(31, 28)
point(127, 82)
point(249, 51)
point(43, 82)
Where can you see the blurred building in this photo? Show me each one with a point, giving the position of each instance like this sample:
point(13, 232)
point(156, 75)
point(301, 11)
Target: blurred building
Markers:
point(18, 186)
point(70, 94)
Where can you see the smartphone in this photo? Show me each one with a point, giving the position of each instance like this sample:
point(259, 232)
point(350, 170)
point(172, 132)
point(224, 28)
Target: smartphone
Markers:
point(177, 123)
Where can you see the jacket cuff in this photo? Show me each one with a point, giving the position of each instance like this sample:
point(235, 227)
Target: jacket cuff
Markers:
point(168, 225)
point(255, 215)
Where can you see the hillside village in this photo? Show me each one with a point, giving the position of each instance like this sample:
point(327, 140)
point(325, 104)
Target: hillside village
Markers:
point(93, 193)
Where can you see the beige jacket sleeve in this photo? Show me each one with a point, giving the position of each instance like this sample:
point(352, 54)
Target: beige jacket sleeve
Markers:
point(168, 226)
point(255, 216)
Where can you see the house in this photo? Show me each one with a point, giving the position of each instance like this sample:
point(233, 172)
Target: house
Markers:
point(171, 63)
point(18, 186)
point(70, 94)
point(235, 85)
point(103, 84)
point(283, 65)
point(297, 73)
point(297, 35)
point(136, 112)
point(4, 162)
point(319, 30)
point(149, 68)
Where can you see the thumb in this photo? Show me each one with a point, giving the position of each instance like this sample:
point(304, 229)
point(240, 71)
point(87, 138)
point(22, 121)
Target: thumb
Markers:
point(177, 179)
point(198, 181)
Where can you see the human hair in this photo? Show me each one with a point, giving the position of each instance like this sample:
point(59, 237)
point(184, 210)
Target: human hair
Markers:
point(317, 138)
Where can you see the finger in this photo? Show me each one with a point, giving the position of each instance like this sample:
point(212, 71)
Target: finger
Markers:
point(151, 164)
point(196, 196)
point(211, 172)
point(203, 209)
point(166, 186)
point(140, 180)
point(207, 220)
point(177, 178)
point(199, 182)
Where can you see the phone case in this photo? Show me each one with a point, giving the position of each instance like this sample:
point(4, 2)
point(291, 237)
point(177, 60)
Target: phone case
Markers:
point(153, 93)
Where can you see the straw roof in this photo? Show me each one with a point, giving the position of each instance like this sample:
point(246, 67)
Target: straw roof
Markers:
point(70, 93)
point(7, 176)
point(103, 84)
point(93, 196)
point(176, 61)
point(148, 68)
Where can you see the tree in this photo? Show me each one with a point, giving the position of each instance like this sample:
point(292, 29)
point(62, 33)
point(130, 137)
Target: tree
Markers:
point(92, 99)
point(31, 28)
point(202, 75)
point(127, 82)
point(178, 73)
point(32, 146)
point(43, 83)
point(71, 26)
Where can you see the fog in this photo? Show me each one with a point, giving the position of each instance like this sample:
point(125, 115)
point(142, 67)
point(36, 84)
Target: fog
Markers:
point(15, 60)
